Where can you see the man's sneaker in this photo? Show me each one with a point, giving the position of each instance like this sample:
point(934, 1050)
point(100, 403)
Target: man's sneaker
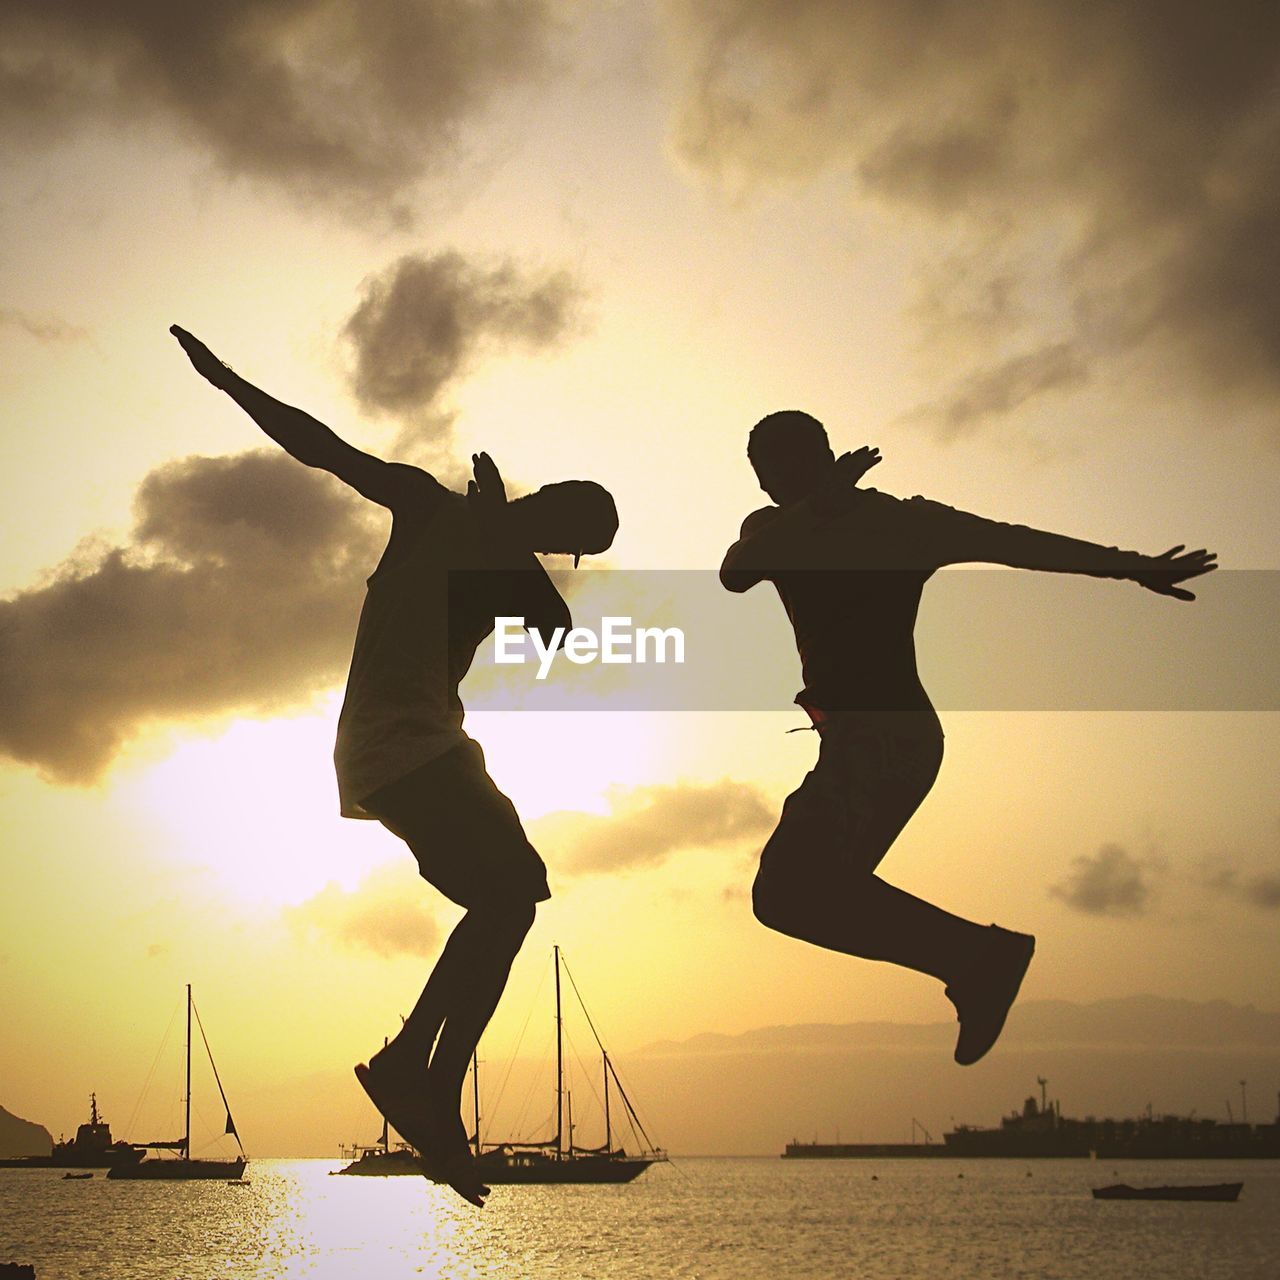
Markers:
point(984, 997)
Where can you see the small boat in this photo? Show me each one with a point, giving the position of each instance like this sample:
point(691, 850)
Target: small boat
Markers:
point(184, 1167)
point(75, 1177)
point(1214, 1191)
point(380, 1161)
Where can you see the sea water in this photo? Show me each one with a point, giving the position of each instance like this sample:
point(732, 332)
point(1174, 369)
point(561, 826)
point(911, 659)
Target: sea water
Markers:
point(736, 1219)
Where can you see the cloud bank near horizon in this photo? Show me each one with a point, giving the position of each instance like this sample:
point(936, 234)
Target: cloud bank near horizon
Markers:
point(238, 592)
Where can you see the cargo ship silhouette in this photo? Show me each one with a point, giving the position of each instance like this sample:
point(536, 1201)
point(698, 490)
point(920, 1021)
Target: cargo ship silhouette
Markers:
point(1040, 1129)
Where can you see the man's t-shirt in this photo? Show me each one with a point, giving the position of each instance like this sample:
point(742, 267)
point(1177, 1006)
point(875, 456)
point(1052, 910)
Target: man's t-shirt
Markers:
point(853, 605)
point(423, 618)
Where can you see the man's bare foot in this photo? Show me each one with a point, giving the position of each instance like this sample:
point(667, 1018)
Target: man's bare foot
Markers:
point(451, 1158)
point(401, 1096)
point(984, 996)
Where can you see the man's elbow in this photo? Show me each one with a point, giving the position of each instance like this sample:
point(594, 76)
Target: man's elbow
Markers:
point(737, 580)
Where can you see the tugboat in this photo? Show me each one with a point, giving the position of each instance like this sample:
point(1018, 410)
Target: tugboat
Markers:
point(92, 1147)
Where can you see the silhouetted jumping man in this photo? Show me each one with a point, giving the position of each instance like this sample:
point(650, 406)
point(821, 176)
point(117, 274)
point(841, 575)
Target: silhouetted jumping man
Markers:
point(849, 565)
point(453, 563)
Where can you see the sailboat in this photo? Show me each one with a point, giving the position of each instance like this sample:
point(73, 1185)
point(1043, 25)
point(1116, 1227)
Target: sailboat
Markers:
point(184, 1167)
point(559, 1160)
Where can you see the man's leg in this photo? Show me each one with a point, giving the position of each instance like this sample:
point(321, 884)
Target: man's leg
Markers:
point(423, 1088)
point(490, 937)
point(816, 880)
point(470, 845)
point(872, 920)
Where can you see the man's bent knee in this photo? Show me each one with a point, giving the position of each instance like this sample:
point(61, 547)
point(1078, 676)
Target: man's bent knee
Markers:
point(510, 916)
point(776, 907)
point(809, 909)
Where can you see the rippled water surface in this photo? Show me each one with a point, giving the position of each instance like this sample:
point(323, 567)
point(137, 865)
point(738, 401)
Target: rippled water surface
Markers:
point(739, 1218)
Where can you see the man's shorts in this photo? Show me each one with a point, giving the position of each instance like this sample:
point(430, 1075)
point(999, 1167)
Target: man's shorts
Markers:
point(465, 834)
point(872, 773)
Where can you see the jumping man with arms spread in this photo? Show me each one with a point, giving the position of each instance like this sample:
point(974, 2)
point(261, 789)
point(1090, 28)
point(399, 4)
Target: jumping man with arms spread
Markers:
point(454, 562)
point(849, 565)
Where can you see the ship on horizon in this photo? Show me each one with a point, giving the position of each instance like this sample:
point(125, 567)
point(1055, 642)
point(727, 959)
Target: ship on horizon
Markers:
point(1040, 1129)
point(92, 1148)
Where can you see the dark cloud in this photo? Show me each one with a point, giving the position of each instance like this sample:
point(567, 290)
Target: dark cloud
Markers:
point(422, 322)
point(1134, 148)
point(648, 824)
point(999, 389)
point(240, 586)
point(329, 100)
point(1262, 891)
point(41, 328)
point(239, 592)
point(1112, 883)
point(386, 914)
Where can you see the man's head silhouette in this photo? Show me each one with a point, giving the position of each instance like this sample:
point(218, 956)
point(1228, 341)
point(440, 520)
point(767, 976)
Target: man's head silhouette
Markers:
point(790, 454)
point(571, 517)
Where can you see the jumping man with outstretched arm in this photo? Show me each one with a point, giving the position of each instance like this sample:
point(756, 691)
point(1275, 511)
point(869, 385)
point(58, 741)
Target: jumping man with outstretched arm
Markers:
point(453, 563)
point(849, 565)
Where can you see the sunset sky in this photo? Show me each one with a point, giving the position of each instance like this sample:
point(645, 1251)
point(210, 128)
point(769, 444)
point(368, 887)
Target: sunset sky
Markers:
point(1029, 250)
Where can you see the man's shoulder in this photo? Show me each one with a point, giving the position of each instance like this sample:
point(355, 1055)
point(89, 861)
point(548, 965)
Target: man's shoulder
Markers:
point(914, 509)
point(419, 496)
point(416, 483)
point(758, 519)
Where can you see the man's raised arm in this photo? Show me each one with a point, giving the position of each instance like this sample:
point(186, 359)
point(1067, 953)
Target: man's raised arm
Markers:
point(301, 435)
point(961, 538)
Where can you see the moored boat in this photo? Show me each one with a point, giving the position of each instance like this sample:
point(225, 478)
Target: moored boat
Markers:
point(1212, 1191)
point(559, 1159)
point(184, 1167)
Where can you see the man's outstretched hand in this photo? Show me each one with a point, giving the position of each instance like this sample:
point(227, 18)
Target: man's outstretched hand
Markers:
point(204, 361)
point(848, 470)
point(853, 466)
point(1164, 572)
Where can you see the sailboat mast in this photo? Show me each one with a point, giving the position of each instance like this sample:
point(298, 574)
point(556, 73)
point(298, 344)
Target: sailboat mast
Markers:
point(385, 1139)
point(186, 1132)
point(608, 1137)
point(559, 1065)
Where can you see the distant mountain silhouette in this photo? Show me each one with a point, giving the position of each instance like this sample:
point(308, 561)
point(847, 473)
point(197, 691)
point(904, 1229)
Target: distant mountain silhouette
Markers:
point(1148, 1021)
point(20, 1137)
point(866, 1081)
